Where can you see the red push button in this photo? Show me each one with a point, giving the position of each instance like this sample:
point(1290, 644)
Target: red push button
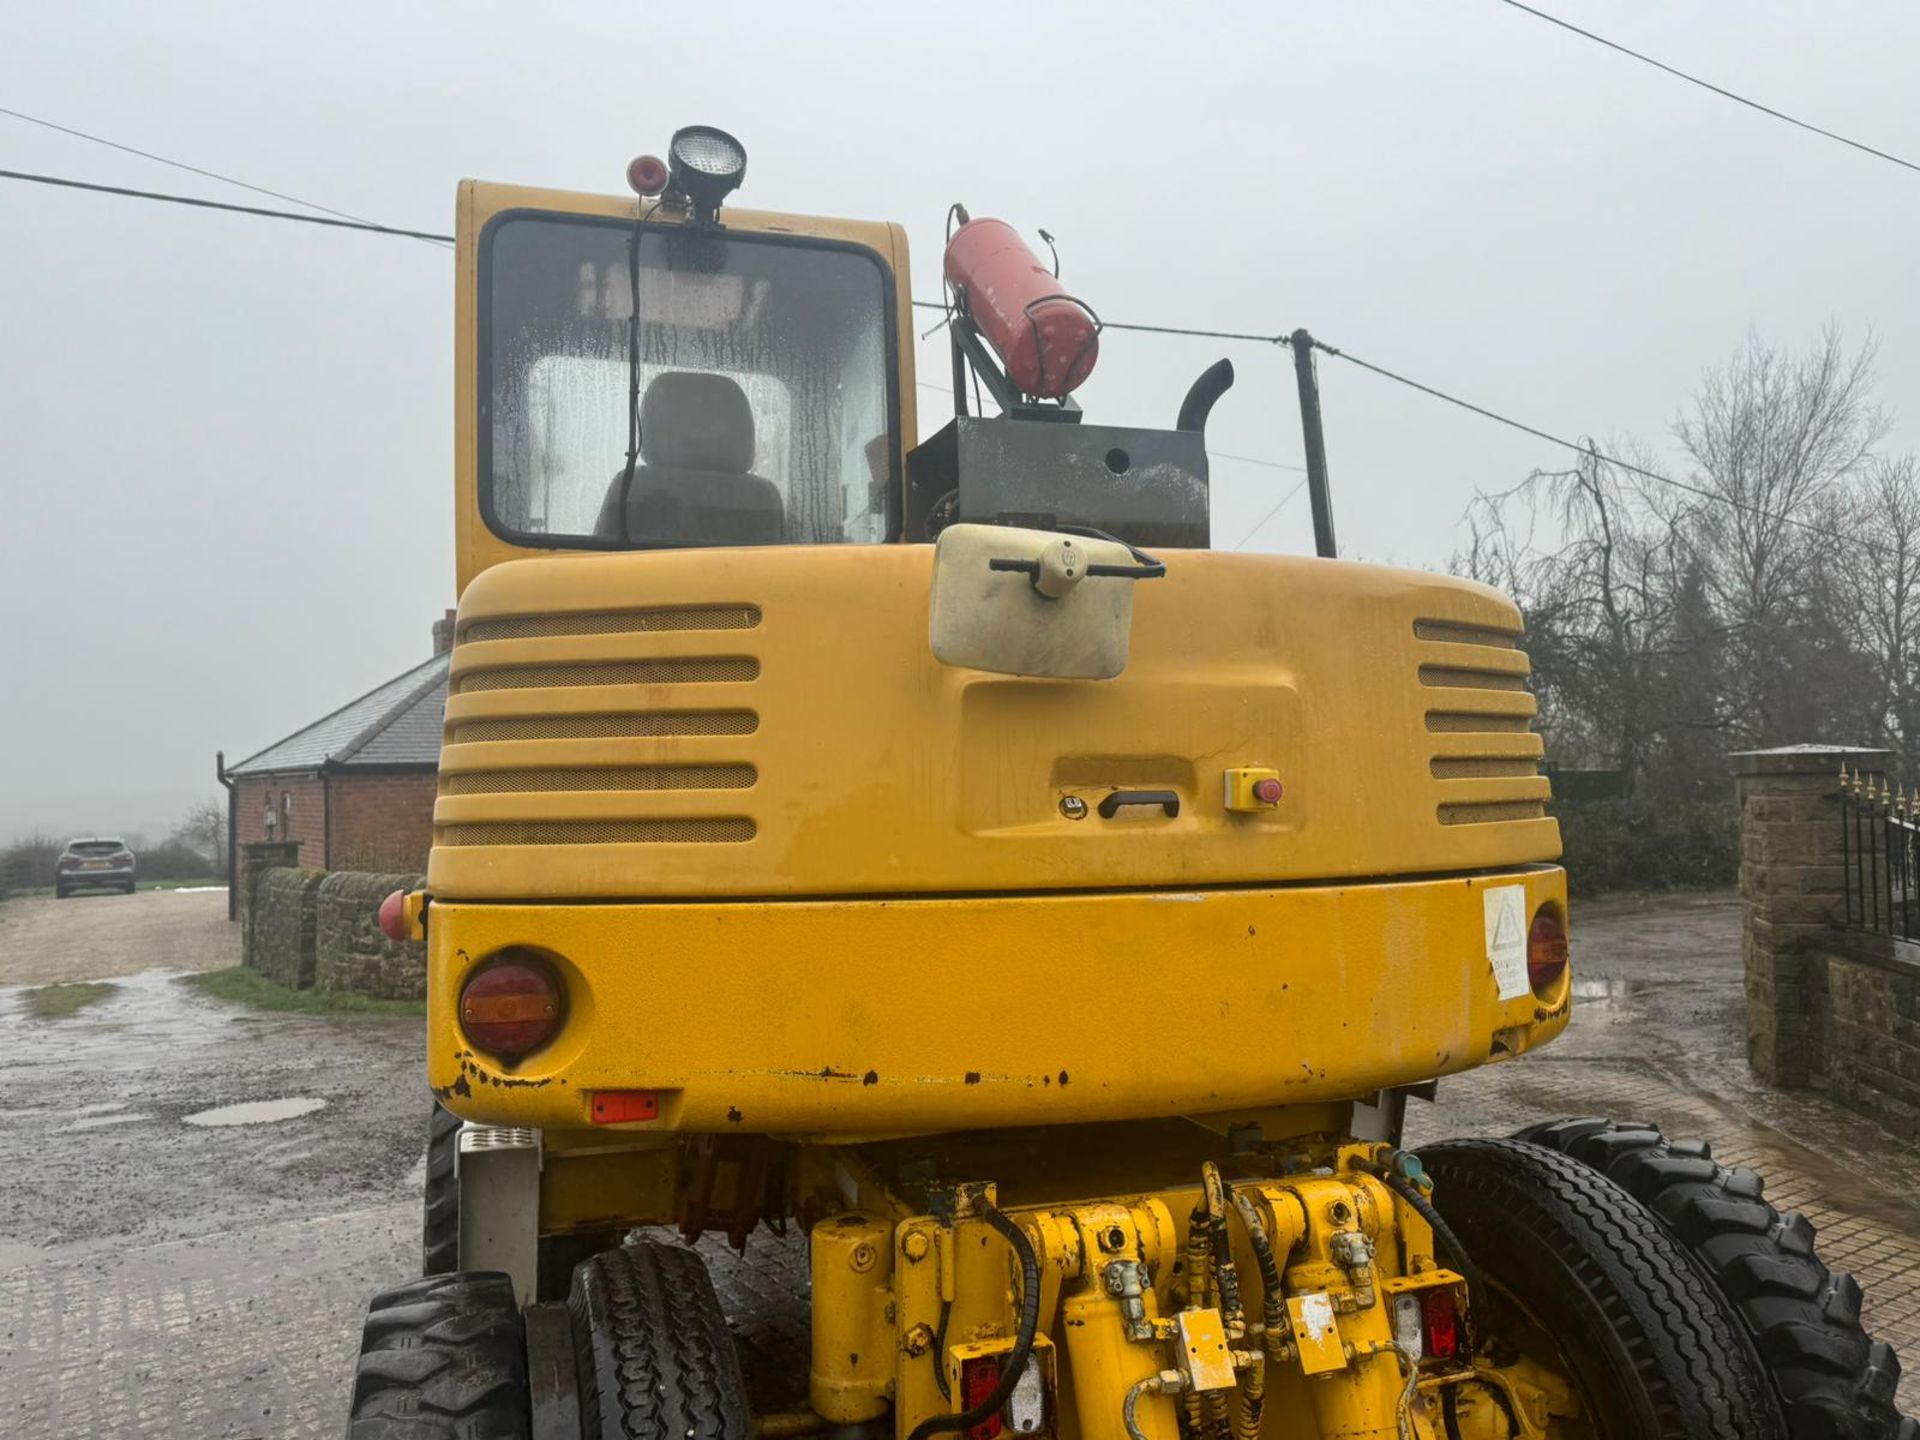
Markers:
point(1267, 792)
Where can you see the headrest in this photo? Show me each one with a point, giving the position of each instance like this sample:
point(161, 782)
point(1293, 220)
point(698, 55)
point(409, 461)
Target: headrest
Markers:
point(696, 422)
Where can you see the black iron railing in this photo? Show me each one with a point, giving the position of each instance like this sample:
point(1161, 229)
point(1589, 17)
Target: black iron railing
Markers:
point(1880, 852)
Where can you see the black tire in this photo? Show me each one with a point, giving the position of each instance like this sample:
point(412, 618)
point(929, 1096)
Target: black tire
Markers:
point(443, 1358)
point(60, 892)
point(1835, 1380)
point(1653, 1350)
point(655, 1355)
point(440, 1207)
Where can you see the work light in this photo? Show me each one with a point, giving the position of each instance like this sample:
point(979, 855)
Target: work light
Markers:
point(707, 165)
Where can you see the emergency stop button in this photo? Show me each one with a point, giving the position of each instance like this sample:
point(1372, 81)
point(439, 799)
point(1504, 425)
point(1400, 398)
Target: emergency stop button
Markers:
point(1251, 789)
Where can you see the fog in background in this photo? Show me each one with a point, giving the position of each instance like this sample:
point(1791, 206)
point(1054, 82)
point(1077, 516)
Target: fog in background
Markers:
point(226, 443)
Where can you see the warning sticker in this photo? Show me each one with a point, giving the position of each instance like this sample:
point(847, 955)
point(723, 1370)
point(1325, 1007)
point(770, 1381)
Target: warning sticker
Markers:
point(1506, 912)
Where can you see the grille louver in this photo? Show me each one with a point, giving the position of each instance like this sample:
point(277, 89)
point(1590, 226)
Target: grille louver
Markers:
point(1479, 715)
point(546, 745)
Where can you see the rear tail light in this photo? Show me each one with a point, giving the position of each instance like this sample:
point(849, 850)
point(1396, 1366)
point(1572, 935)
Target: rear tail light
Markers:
point(1440, 1318)
point(1546, 951)
point(511, 1005)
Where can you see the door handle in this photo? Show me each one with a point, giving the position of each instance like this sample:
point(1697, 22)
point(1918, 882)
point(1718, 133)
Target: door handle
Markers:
point(1167, 800)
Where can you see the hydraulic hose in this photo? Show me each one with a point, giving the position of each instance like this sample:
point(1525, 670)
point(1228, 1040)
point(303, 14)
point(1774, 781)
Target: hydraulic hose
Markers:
point(1450, 1242)
point(1226, 1279)
point(1127, 1412)
point(1016, 1362)
point(1273, 1306)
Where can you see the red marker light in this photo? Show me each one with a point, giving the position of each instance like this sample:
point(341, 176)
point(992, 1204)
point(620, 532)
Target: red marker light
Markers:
point(978, 1376)
point(1267, 791)
point(647, 174)
point(393, 917)
point(1441, 1316)
point(611, 1107)
point(1546, 952)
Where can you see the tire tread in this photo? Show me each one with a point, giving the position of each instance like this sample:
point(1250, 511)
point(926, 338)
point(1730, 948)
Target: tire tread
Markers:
point(1835, 1382)
point(442, 1358)
point(656, 1357)
point(1665, 1325)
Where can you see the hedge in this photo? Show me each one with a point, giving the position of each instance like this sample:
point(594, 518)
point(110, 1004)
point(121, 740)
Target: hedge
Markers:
point(1644, 845)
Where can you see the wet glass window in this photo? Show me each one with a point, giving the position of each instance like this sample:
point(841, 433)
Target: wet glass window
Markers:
point(760, 370)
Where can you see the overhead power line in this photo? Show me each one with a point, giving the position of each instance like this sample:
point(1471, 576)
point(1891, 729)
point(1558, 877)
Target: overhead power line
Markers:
point(1716, 89)
point(1153, 329)
point(191, 169)
point(1261, 523)
point(200, 204)
point(1585, 449)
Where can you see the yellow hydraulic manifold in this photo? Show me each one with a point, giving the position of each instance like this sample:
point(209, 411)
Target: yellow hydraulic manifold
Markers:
point(1311, 1303)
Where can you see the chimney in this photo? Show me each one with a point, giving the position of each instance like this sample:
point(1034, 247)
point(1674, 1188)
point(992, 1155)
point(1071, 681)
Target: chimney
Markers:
point(443, 633)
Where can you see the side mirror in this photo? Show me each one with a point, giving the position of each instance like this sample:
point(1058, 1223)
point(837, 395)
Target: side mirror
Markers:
point(1034, 602)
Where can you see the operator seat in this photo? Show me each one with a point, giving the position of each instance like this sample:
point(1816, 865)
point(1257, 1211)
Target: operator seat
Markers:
point(695, 485)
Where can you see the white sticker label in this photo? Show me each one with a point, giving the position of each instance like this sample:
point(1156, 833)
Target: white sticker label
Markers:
point(1316, 1315)
point(1506, 912)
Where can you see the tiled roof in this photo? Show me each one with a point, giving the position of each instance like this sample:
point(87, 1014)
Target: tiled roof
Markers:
point(397, 724)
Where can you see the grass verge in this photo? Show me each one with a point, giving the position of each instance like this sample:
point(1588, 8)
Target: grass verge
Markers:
point(57, 1002)
point(241, 986)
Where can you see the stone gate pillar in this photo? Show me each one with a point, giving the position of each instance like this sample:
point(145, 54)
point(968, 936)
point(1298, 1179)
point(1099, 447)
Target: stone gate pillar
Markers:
point(1792, 880)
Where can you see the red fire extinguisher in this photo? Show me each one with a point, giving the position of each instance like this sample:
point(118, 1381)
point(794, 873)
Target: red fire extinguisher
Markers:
point(1048, 340)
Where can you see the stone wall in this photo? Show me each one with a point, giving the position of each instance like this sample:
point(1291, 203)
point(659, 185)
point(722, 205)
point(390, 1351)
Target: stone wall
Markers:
point(281, 934)
point(255, 860)
point(1872, 1014)
point(315, 928)
point(351, 953)
point(1828, 1007)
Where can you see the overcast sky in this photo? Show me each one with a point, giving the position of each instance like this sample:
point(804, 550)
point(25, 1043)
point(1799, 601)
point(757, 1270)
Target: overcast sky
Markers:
point(226, 444)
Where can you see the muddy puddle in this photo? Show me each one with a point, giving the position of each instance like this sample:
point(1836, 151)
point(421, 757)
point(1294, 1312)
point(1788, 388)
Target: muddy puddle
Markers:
point(257, 1112)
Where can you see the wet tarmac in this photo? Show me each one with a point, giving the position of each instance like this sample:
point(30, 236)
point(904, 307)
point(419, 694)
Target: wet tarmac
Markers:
point(198, 1200)
point(166, 1278)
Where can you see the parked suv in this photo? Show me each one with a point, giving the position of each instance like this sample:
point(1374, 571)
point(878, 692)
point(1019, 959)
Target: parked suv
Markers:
point(85, 864)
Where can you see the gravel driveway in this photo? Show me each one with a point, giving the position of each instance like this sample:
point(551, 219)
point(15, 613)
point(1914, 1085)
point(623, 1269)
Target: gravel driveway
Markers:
point(44, 941)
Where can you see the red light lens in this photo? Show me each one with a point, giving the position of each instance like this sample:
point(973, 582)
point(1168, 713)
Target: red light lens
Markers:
point(1546, 951)
point(393, 916)
point(647, 174)
point(615, 1107)
point(511, 1005)
point(1440, 1313)
point(978, 1376)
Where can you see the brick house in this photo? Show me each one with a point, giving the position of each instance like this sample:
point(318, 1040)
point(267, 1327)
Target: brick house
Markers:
point(354, 789)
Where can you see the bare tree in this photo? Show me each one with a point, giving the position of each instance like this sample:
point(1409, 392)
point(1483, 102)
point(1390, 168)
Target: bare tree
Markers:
point(1879, 578)
point(1771, 437)
point(1602, 604)
point(1770, 595)
point(204, 831)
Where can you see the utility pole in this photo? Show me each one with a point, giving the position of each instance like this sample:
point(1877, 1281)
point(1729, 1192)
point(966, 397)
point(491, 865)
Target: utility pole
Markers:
point(1317, 491)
